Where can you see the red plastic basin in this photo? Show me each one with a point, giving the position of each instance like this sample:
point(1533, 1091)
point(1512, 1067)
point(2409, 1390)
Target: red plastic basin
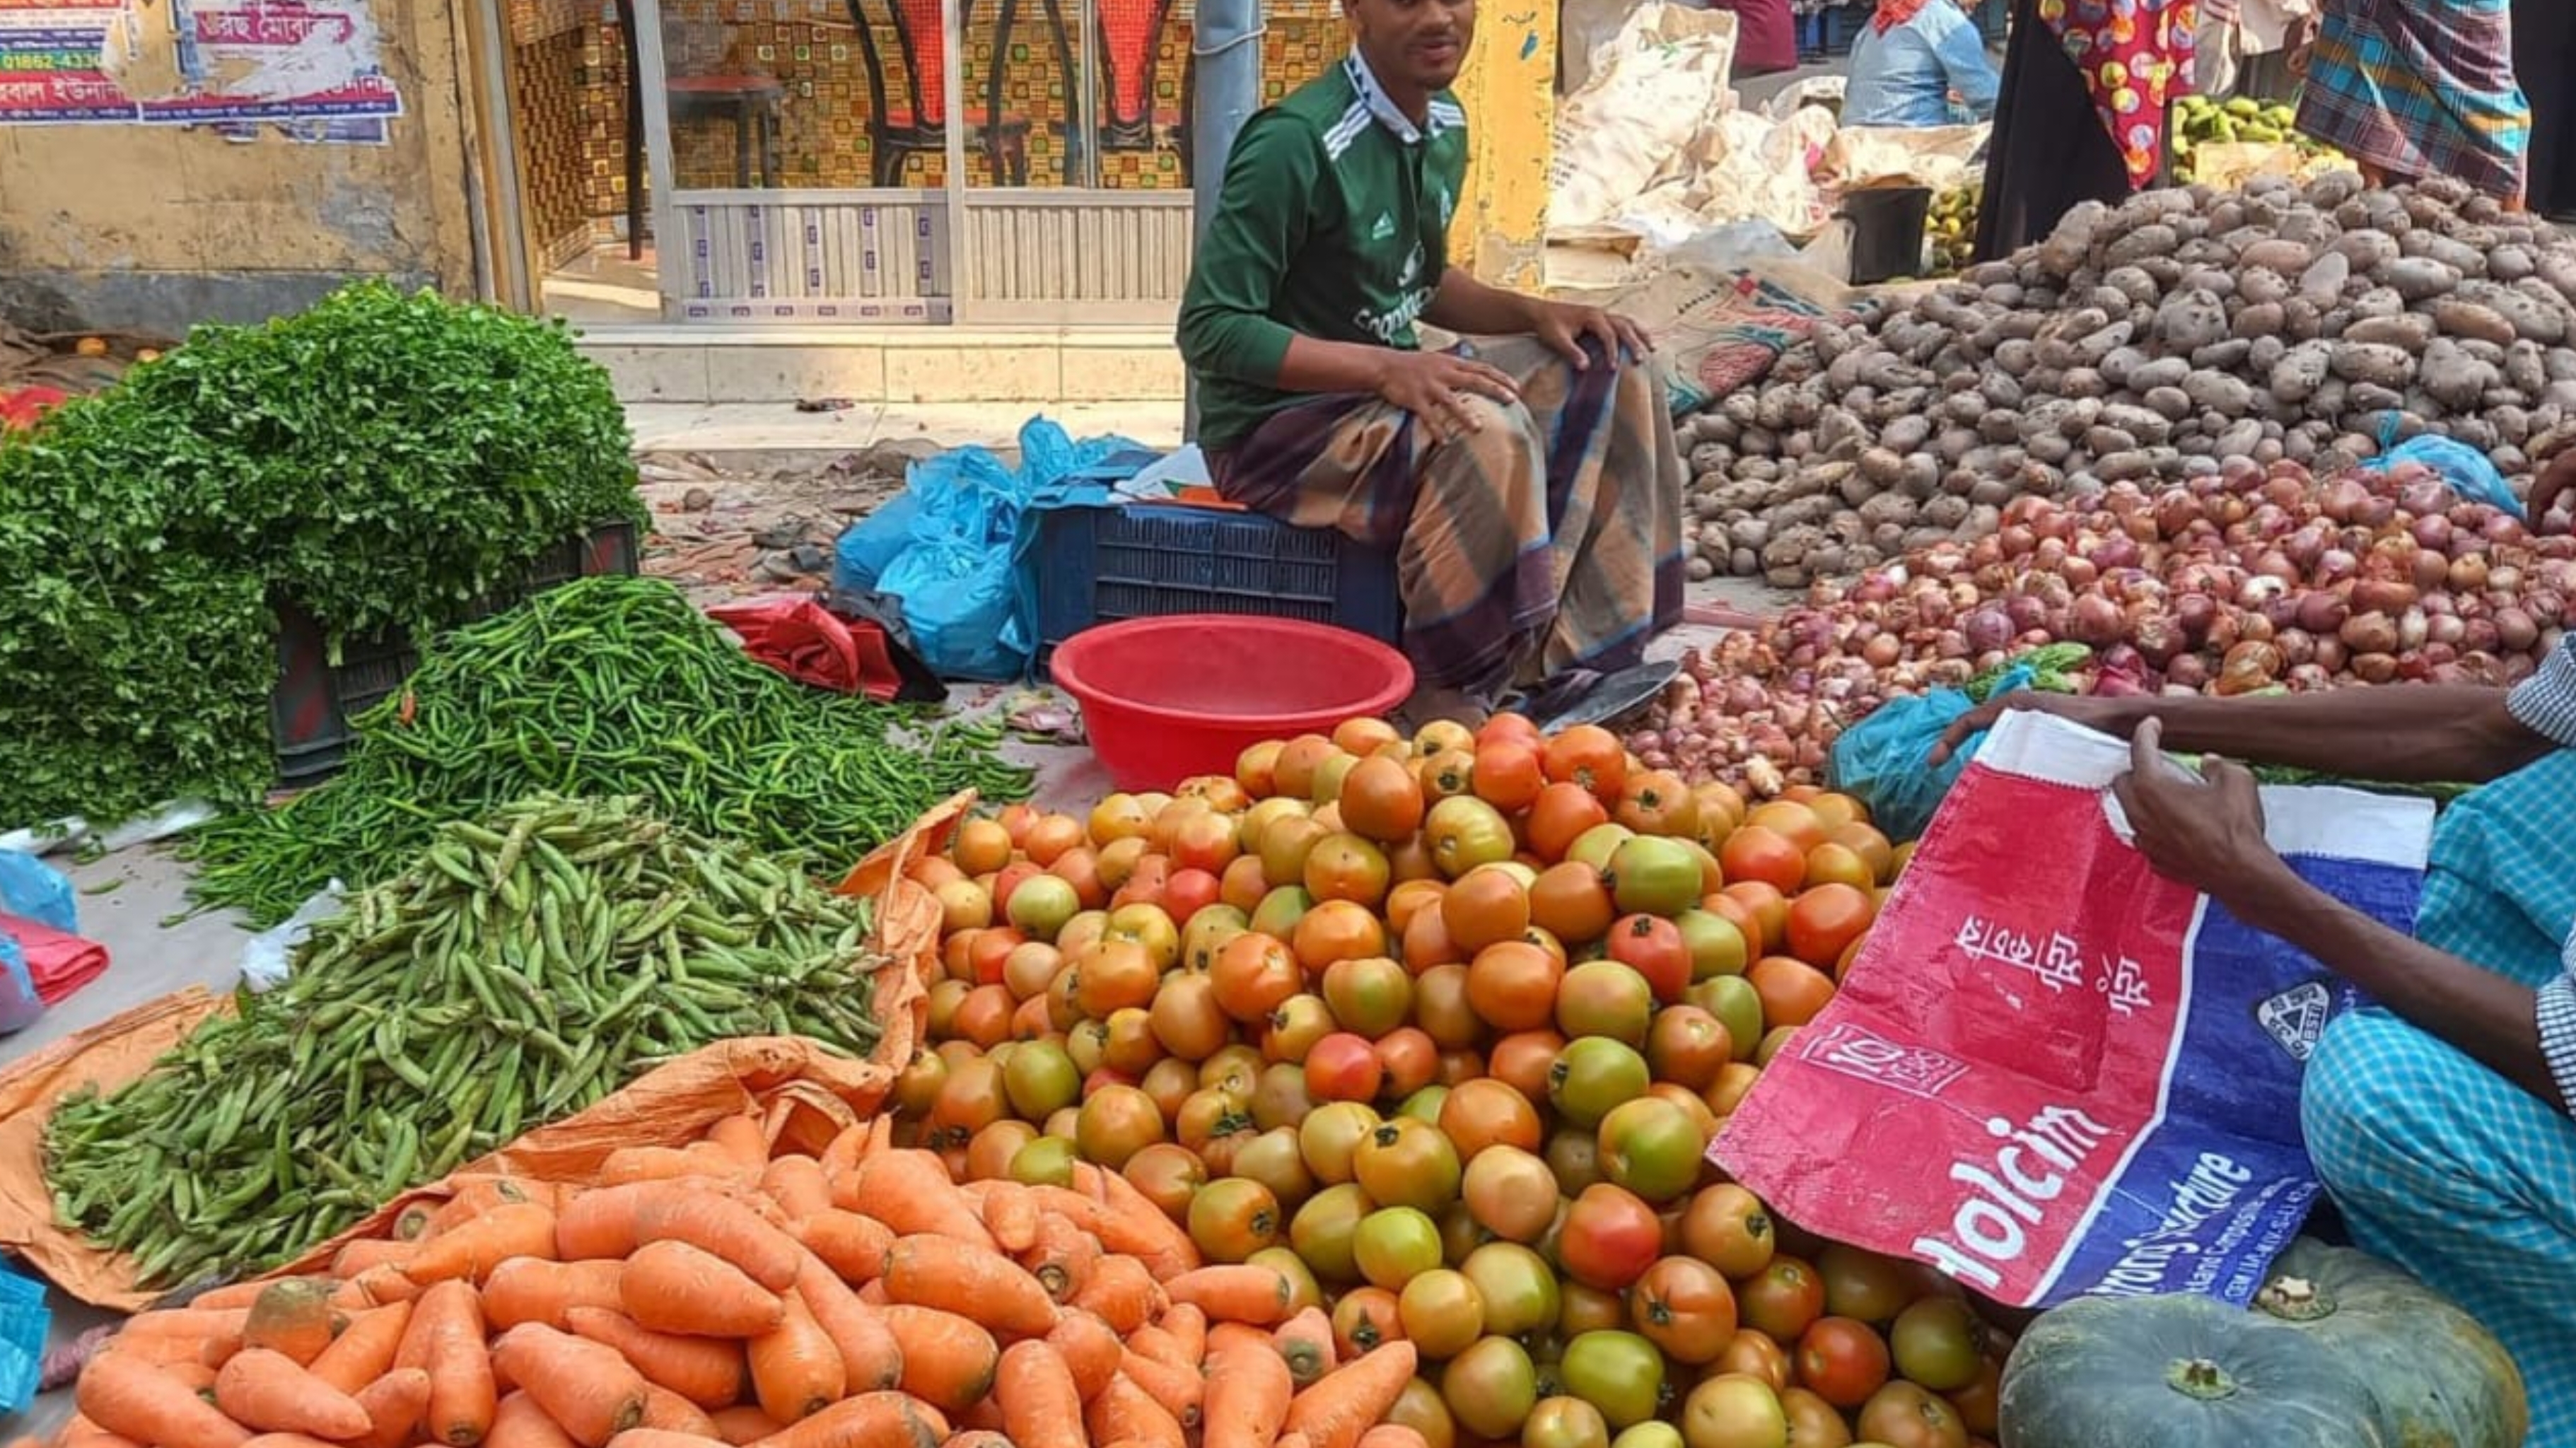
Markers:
point(1166, 699)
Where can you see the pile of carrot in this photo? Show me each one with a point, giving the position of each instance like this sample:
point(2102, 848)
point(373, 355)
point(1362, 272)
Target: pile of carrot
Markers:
point(725, 1295)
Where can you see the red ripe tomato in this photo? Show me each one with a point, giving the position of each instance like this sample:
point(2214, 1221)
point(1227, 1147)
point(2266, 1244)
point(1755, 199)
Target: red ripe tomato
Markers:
point(1841, 1361)
point(1590, 756)
point(1684, 1307)
point(1653, 947)
point(1610, 1238)
point(1344, 1067)
point(1784, 1299)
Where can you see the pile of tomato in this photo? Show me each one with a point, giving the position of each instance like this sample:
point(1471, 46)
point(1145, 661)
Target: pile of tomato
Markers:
point(1441, 1029)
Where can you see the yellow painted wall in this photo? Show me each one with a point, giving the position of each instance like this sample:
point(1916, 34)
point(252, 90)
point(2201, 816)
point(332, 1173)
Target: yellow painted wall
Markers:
point(1509, 90)
point(156, 226)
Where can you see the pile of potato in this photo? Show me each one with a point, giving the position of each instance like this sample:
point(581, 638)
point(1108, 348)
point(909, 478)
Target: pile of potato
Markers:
point(2146, 342)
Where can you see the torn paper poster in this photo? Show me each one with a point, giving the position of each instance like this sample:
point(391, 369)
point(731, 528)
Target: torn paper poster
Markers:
point(194, 62)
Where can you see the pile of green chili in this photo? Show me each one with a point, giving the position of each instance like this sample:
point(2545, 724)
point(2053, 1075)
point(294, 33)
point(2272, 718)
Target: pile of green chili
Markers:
point(520, 970)
point(606, 686)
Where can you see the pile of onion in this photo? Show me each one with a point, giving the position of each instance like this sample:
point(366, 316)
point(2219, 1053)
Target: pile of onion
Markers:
point(2245, 579)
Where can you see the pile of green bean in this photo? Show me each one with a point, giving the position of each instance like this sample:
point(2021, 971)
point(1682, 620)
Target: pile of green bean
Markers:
point(520, 970)
point(607, 686)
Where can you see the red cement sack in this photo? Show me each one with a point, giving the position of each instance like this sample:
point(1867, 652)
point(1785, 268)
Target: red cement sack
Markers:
point(2052, 1072)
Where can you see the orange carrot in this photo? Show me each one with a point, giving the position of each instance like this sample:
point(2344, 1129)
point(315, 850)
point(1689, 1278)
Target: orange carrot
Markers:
point(1291, 1440)
point(1061, 1256)
point(630, 1164)
point(670, 1286)
point(1157, 1342)
point(80, 1432)
point(1011, 1214)
point(1181, 1391)
point(1122, 1292)
point(742, 1138)
point(288, 1440)
point(364, 1351)
point(870, 1420)
point(796, 1368)
point(854, 1245)
point(874, 1293)
point(462, 1390)
point(586, 1386)
point(652, 1437)
point(230, 1295)
point(293, 1317)
point(670, 1412)
point(705, 1370)
point(911, 1191)
point(842, 1155)
point(798, 1185)
point(1242, 1293)
point(395, 1404)
point(1041, 1408)
point(948, 1360)
point(1352, 1398)
point(193, 1323)
point(1126, 1413)
point(1248, 1389)
point(1091, 1351)
point(356, 1257)
point(517, 1422)
point(1188, 1327)
point(744, 1423)
point(1134, 1224)
point(972, 1281)
point(133, 1399)
point(981, 1438)
point(616, 1221)
point(1306, 1341)
point(1393, 1435)
point(474, 1248)
point(871, 1359)
point(268, 1392)
point(535, 1289)
point(384, 1284)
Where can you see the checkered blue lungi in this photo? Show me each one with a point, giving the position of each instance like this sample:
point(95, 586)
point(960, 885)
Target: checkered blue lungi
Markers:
point(2438, 1163)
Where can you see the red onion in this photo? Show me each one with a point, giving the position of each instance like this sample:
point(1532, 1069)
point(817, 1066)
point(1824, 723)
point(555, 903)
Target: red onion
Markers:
point(2516, 631)
point(2369, 633)
point(2432, 531)
point(2096, 620)
point(2248, 667)
point(2374, 668)
point(2321, 612)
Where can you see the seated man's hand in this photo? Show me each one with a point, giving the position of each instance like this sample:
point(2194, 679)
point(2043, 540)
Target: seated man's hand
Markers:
point(1564, 326)
point(2555, 481)
point(2204, 829)
point(1435, 386)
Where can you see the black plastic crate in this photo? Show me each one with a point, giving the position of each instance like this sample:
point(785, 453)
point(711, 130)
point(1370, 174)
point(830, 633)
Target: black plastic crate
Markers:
point(310, 709)
point(1146, 560)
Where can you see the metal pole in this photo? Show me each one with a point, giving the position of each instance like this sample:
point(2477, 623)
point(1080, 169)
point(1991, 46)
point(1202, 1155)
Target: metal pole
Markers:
point(1226, 43)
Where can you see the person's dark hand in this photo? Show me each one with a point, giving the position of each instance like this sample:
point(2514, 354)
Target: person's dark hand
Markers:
point(1436, 387)
point(1565, 326)
point(2084, 709)
point(2203, 829)
point(2554, 481)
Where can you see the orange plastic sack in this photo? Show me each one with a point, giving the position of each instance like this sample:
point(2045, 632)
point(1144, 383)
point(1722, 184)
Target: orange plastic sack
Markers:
point(806, 1094)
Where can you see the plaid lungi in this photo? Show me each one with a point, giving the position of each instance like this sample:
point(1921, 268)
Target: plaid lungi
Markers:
point(2438, 1163)
point(1551, 539)
point(2420, 88)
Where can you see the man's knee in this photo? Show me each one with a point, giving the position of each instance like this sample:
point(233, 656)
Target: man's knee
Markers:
point(2372, 1110)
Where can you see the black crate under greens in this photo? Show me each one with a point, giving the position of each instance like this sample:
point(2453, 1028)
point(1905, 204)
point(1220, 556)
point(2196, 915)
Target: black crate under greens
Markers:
point(309, 712)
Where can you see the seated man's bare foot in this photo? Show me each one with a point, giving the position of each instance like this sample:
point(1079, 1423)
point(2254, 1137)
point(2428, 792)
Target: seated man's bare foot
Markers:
point(1433, 703)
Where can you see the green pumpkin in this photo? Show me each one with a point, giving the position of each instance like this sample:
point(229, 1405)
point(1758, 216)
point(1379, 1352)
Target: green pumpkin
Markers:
point(2443, 1381)
point(2180, 1372)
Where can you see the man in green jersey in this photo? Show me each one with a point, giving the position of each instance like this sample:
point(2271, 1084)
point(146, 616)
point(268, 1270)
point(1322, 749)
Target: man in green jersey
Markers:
point(1527, 480)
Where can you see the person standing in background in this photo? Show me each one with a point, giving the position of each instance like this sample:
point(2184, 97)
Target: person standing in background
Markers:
point(2244, 48)
point(2544, 58)
point(2082, 116)
point(1911, 58)
point(2420, 90)
point(1766, 36)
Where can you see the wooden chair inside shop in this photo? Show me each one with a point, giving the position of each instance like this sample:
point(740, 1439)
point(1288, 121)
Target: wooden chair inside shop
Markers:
point(697, 90)
point(898, 132)
point(1129, 34)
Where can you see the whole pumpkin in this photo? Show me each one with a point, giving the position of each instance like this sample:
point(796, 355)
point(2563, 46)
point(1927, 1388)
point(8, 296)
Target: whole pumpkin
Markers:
point(2443, 1381)
point(2181, 1372)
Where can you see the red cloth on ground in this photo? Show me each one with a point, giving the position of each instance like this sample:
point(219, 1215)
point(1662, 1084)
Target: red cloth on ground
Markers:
point(59, 964)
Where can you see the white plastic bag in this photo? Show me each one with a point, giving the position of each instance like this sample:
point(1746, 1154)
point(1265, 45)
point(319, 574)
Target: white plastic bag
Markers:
point(267, 959)
point(1651, 91)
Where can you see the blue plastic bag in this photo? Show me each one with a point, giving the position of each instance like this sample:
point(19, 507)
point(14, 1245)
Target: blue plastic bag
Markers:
point(20, 1006)
point(2467, 471)
point(33, 890)
point(24, 1323)
point(1882, 760)
point(952, 547)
